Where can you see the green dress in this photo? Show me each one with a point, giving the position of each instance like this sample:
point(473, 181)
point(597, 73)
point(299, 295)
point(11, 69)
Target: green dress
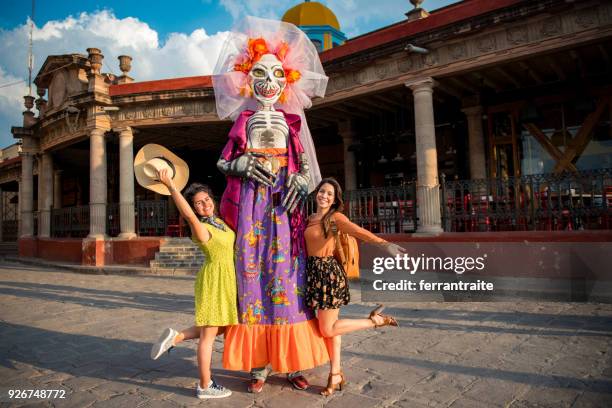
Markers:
point(215, 285)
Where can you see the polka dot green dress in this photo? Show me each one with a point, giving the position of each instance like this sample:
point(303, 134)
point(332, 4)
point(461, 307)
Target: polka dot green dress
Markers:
point(215, 285)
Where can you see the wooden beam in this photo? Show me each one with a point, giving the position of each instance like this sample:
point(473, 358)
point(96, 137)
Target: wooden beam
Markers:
point(448, 89)
point(544, 141)
point(402, 98)
point(464, 85)
point(360, 108)
point(555, 66)
point(578, 60)
point(320, 116)
point(531, 72)
point(576, 147)
point(377, 106)
point(487, 81)
point(508, 77)
point(389, 100)
point(605, 55)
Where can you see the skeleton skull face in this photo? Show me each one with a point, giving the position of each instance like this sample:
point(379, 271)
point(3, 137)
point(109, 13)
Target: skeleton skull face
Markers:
point(267, 79)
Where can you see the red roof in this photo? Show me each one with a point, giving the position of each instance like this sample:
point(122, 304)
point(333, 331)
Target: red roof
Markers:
point(161, 85)
point(440, 18)
point(445, 16)
point(10, 161)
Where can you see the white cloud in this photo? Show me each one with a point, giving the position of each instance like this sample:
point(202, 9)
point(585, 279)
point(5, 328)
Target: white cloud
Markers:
point(11, 105)
point(180, 55)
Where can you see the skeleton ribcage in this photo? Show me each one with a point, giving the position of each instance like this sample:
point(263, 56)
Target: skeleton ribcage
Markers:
point(267, 129)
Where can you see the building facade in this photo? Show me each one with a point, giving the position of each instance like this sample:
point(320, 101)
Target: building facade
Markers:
point(459, 120)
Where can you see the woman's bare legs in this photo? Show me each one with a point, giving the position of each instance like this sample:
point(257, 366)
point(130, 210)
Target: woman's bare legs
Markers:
point(205, 347)
point(187, 334)
point(332, 328)
point(192, 333)
point(333, 345)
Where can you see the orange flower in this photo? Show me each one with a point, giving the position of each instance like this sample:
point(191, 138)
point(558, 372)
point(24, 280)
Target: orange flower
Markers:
point(243, 66)
point(292, 75)
point(257, 48)
point(282, 50)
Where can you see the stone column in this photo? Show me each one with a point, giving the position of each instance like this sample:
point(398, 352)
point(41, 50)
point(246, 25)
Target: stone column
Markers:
point(45, 178)
point(40, 193)
point(428, 187)
point(97, 184)
point(347, 134)
point(19, 206)
point(476, 142)
point(1, 214)
point(126, 183)
point(57, 189)
point(26, 196)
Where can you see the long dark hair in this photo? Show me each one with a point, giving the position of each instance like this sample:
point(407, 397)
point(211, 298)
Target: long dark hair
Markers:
point(338, 204)
point(195, 188)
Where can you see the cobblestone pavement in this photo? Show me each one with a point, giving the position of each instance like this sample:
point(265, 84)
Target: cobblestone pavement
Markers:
point(90, 335)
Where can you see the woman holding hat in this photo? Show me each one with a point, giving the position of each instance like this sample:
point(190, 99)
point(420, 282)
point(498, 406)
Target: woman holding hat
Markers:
point(215, 285)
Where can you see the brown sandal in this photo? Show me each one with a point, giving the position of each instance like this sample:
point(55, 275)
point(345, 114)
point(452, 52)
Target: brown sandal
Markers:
point(388, 320)
point(331, 387)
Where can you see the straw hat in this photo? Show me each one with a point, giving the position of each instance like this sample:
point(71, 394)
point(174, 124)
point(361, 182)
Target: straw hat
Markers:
point(152, 158)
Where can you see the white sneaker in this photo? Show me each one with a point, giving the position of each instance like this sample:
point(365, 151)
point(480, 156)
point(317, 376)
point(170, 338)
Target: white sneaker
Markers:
point(214, 390)
point(165, 342)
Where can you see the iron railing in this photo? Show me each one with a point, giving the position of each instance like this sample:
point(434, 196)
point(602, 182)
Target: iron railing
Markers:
point(151, 220)
point(568, 201)
point(9, 230)
point(547, 202)
point(385, 210)
point(113, 225)
point(70, 222)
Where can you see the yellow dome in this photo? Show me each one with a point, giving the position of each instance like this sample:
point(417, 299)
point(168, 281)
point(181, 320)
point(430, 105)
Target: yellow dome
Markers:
point(311, 13)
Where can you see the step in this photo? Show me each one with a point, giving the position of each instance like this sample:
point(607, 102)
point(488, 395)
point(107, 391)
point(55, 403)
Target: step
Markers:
point(178, 241)
point(178, 249)
point(8, 248)
point(166, 265)
point(178, 253)
point(167, 256)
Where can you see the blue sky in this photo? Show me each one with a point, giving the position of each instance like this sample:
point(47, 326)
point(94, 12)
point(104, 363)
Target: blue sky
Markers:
point(166, 38)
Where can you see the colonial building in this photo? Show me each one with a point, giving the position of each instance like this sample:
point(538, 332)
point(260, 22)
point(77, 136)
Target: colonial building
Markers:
point(480, 116)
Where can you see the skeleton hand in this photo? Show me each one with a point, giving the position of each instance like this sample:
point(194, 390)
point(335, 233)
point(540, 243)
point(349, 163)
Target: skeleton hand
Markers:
point(249, 167)
point(297, 185)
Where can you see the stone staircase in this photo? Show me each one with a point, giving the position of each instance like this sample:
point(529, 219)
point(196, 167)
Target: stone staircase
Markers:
point(8, 249)
point(177, 256)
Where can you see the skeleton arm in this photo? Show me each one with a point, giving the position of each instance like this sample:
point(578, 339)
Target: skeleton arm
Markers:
point(297, 183)
point(246, 166)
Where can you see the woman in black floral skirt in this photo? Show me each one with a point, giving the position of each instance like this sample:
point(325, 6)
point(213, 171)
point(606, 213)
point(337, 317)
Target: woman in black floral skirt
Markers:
point(327, 283)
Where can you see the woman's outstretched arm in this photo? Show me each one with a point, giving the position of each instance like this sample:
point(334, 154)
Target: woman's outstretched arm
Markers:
point(197, 228)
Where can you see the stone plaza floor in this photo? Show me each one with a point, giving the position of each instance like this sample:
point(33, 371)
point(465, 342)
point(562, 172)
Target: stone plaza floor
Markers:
point(90, 335)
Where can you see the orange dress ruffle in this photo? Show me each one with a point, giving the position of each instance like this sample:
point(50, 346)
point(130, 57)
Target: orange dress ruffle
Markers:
point(287, 347)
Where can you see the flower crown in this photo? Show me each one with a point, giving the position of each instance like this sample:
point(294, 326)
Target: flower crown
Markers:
point(256, 48)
